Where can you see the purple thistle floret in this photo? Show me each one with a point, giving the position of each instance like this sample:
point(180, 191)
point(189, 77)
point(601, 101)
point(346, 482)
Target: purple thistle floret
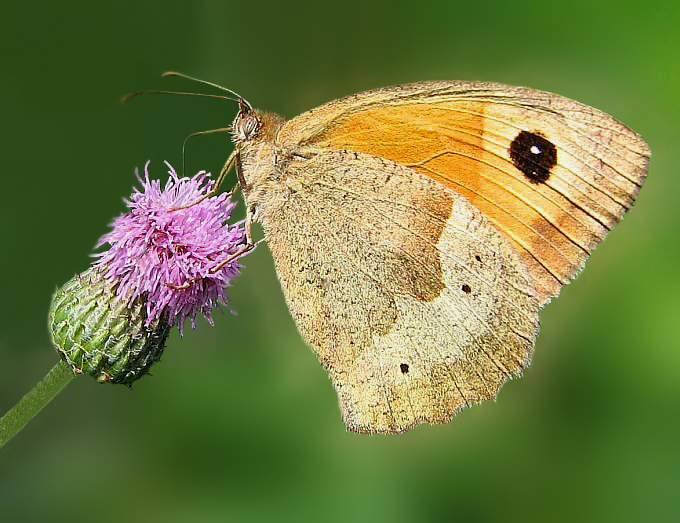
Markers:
point(153, 246)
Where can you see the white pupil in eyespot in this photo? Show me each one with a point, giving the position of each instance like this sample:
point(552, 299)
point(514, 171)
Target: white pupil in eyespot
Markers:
point(535, 149)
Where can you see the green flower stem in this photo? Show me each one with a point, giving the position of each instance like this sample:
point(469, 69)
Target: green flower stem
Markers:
point(33, 402)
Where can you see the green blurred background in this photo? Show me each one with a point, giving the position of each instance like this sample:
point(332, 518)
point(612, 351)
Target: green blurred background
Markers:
point(239, 422)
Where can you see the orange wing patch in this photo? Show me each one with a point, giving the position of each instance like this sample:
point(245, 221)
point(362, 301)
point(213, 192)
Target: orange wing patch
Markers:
point(464, 144)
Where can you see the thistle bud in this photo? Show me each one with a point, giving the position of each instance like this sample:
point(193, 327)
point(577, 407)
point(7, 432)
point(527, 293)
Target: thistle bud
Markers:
point(98, 333)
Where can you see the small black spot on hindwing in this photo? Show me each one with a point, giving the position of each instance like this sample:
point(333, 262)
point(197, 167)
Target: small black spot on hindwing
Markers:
point(534, 155)
point(466, 288)
point(404, 368)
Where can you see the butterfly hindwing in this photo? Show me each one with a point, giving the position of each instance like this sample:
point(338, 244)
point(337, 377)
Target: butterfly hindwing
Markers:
point(414, 302)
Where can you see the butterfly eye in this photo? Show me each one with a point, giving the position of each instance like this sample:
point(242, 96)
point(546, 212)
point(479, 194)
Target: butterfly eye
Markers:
point(245, 126)
point(250, 126)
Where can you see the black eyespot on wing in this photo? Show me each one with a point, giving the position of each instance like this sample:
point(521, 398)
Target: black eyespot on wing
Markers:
point(404, 368)
point(466, 288)
point(534, 155)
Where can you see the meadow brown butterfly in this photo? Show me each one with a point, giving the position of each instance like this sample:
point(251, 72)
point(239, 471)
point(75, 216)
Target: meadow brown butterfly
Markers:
point(417, 230)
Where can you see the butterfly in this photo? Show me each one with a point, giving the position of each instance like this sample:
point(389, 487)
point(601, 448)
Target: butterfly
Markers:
point(417, 230)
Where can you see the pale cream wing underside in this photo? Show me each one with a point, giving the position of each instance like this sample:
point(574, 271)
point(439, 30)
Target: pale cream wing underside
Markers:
point(413, 301)
point(460, 134)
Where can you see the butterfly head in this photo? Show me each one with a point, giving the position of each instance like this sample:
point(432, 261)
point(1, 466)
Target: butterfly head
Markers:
point(246, 124)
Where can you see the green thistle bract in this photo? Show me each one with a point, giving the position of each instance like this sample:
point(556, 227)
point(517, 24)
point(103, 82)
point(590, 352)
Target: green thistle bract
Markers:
point(99, 334)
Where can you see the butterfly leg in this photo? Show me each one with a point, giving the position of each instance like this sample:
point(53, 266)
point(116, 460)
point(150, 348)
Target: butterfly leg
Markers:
point(200, 133)
point(249, 245)
point(246, 248)
point(213, 191)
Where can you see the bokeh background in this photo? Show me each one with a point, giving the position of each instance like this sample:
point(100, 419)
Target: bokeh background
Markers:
point(239, 422)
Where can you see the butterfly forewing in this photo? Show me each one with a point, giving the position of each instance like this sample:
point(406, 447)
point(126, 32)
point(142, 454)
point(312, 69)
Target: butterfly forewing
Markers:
point(487, 142)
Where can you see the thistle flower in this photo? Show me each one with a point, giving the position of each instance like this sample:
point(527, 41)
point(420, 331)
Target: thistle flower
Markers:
point(157, 247)
point(163, 265)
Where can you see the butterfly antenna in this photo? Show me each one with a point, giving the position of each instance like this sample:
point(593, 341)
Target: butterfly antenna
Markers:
point(137, 93)
point(181, 75)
